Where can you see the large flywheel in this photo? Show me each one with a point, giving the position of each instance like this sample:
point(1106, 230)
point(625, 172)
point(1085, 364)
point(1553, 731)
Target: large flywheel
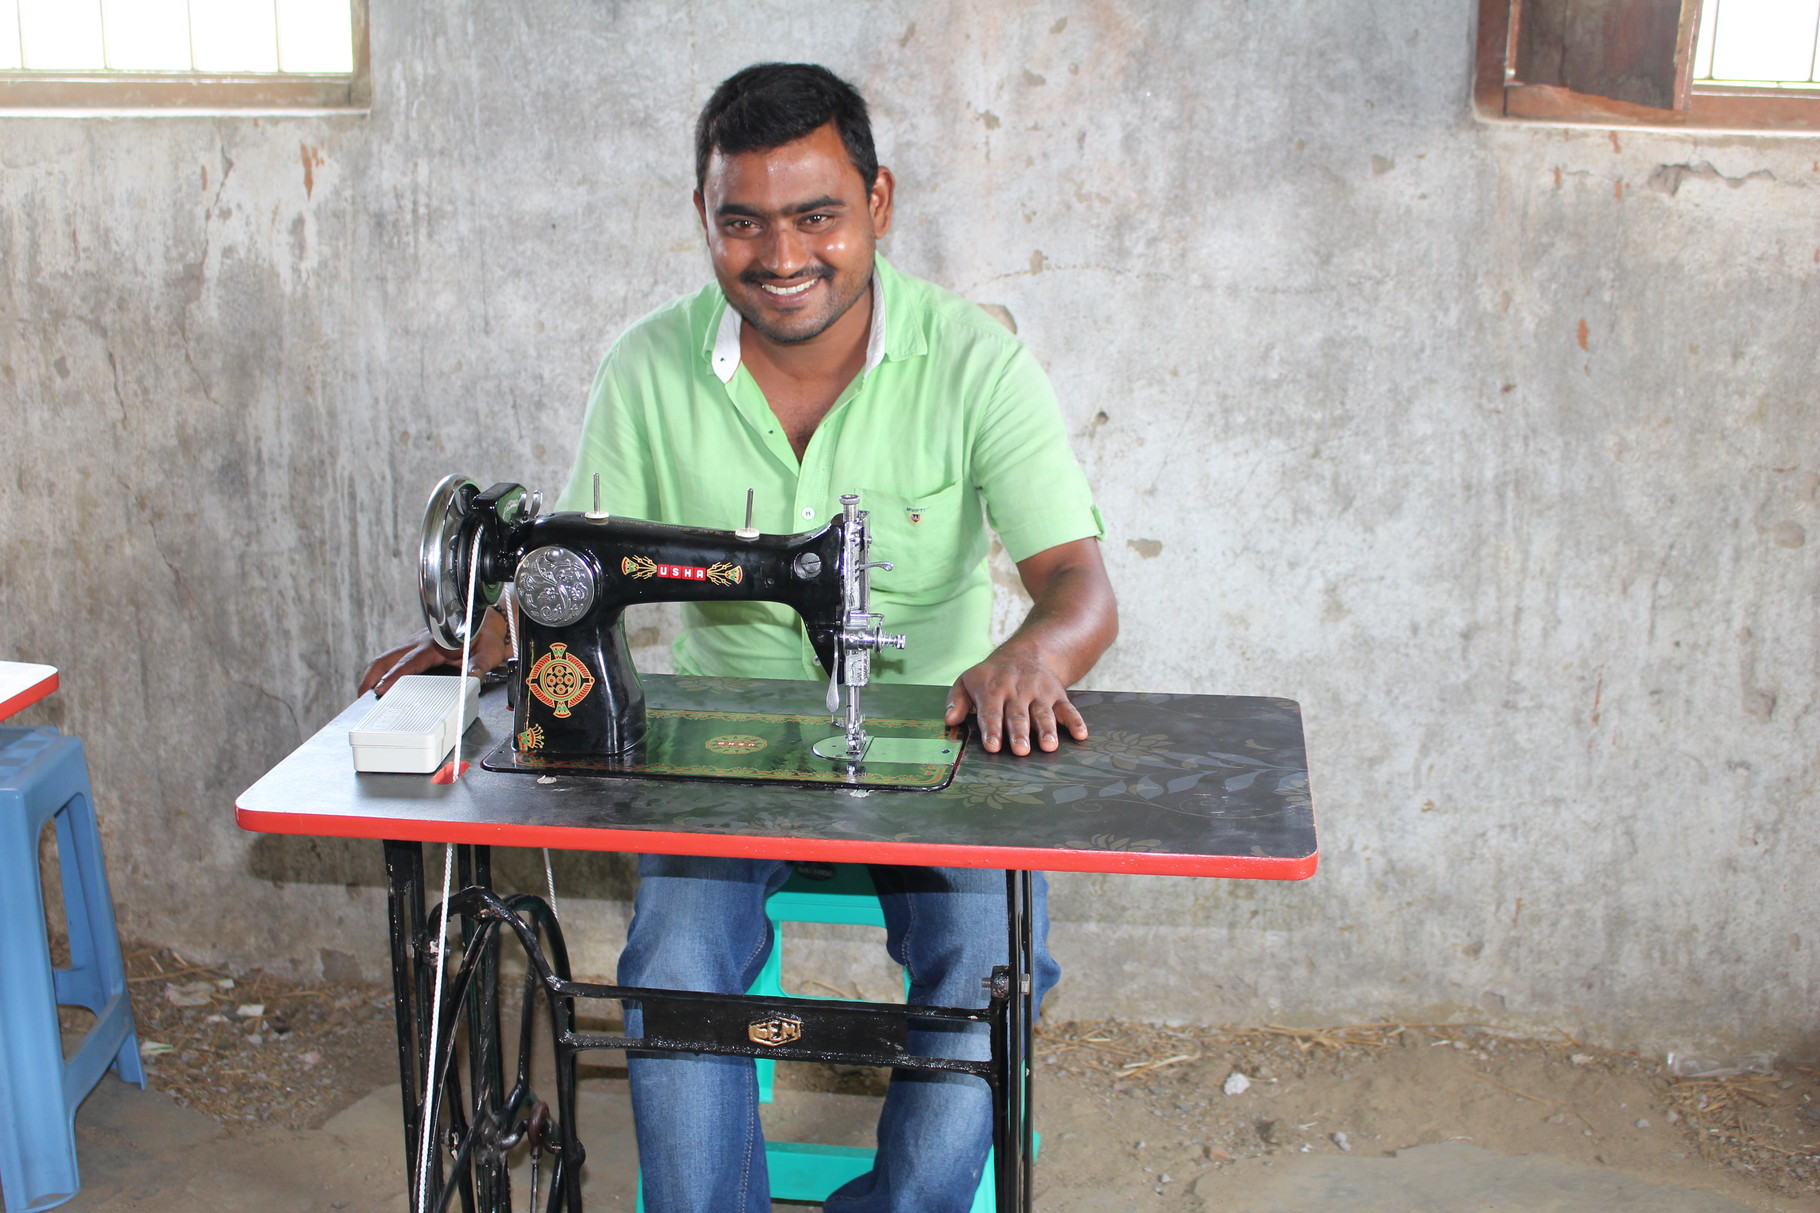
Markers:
point(443, 555)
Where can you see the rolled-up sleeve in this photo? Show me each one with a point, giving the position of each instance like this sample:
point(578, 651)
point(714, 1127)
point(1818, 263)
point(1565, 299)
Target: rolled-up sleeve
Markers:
point(614, 445)
point(1035, 494)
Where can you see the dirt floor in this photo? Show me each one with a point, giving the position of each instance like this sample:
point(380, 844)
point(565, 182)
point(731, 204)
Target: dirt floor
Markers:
point(1384, 1088)
point(1136, 1115)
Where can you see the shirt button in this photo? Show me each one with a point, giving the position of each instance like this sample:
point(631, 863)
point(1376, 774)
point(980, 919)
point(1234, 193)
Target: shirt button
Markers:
point(808, 511)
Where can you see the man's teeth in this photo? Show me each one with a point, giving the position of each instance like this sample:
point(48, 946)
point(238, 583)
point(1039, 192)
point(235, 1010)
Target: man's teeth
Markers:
point(788, 290)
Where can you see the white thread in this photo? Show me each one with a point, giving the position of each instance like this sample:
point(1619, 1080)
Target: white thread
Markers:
point(429, 1070)
point(549, 880)
point(448, 862)
point(467, 648)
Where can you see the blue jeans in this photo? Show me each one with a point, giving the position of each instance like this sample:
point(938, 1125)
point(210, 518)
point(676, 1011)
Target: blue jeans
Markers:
point(699, 924)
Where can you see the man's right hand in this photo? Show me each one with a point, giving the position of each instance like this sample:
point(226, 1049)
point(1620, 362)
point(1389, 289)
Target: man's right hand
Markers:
point(420, 654)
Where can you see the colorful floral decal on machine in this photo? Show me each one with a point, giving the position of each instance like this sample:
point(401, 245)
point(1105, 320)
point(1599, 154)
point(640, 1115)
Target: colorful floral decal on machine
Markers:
point(559, 680)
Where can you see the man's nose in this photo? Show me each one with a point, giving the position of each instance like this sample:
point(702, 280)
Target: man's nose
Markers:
point(786, 253)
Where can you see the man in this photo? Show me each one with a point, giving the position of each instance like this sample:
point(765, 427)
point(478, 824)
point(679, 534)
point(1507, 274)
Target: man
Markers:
point(811, 368)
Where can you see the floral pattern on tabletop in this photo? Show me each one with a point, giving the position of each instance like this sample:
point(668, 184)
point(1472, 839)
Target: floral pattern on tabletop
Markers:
point(1162, 774)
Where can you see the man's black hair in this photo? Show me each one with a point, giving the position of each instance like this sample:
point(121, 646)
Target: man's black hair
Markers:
point(770, 104)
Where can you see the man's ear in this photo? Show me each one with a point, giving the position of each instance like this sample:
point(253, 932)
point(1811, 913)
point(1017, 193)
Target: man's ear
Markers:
point(701, 212)
point(878, 202)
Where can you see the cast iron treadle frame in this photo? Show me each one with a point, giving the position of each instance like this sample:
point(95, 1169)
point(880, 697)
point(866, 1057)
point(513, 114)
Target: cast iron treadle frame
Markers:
point(476, 1133)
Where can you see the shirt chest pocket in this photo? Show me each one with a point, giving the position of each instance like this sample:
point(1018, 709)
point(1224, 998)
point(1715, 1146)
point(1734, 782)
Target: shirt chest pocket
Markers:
point(926, 539)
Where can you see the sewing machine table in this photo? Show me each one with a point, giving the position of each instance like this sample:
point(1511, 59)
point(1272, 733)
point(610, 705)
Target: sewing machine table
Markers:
point(1167, 784)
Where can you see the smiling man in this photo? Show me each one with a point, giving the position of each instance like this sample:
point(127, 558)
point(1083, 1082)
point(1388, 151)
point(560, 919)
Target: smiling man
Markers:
point(808, 369)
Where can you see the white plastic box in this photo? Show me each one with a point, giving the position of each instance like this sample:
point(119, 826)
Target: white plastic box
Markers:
point(414, 727)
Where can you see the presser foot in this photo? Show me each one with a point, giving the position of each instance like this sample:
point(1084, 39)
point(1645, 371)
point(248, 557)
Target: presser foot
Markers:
point(839, 746)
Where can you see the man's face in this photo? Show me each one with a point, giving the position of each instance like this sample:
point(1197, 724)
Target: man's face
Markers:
point(791, 232)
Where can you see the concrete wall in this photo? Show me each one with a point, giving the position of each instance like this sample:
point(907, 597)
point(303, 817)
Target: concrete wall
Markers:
point(1495, 447)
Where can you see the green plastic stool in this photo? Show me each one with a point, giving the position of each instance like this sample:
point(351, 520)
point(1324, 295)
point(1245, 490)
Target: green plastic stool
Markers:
point(803, 1170)
point(845, 897)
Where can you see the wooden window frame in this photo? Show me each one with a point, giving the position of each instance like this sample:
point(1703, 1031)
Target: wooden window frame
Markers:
point(46, 93)
point(1499, 97)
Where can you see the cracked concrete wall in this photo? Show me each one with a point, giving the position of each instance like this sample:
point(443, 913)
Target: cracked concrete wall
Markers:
point(1494, 447)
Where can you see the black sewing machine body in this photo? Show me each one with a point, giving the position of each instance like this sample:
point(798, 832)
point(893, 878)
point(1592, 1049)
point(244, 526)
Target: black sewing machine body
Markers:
point(630, 561)
point(575, 573)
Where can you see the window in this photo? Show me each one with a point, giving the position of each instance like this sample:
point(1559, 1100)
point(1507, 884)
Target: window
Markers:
point(89, 55)
point(1709, 65)
point(1758, 44)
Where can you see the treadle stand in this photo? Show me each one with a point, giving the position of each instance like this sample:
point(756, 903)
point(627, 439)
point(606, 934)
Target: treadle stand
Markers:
point(478, 1130)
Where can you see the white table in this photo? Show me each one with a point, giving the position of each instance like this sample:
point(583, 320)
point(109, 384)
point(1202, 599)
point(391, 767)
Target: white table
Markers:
point(23, 684)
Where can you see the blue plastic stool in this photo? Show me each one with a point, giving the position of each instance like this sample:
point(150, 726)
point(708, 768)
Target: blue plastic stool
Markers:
point(803, 1170)
point(43, 776)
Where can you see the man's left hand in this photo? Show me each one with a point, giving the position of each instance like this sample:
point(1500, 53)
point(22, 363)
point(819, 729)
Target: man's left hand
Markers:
point(1018, 700)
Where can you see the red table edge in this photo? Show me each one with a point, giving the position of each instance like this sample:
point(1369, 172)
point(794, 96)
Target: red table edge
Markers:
point(659, 842)
point(30, 695)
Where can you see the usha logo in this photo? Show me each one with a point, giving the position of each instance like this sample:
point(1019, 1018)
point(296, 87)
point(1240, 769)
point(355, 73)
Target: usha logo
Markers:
point(723, 572)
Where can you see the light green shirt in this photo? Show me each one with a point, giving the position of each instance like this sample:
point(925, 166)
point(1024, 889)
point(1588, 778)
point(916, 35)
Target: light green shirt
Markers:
point(950, 426)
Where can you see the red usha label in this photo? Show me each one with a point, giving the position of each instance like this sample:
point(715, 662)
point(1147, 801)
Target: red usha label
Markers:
point(720, 573)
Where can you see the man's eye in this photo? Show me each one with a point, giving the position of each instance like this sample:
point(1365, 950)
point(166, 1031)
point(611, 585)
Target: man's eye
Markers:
point(817, 220)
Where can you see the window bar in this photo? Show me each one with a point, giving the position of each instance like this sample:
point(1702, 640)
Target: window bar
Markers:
point(278, 47)
point(101, 30)
point(1514, 20)
point(1712, 44)
point(1813, 58)
point(189, 16)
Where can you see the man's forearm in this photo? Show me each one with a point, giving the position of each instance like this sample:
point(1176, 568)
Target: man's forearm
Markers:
point(420, 654)
point(1073, 617)
point(1072, 622)
point(1019, 693)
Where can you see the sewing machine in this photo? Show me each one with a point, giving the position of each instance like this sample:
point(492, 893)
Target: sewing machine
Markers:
point(1183, 785)
point(579, 703)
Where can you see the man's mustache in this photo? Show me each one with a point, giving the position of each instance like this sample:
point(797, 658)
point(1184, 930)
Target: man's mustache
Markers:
point(758, 277)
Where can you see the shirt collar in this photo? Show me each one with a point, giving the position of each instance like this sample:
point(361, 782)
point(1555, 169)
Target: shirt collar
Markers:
point(724, 357)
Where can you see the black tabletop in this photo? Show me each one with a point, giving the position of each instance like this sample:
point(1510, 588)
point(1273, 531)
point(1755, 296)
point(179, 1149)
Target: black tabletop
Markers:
point(1208, 785)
